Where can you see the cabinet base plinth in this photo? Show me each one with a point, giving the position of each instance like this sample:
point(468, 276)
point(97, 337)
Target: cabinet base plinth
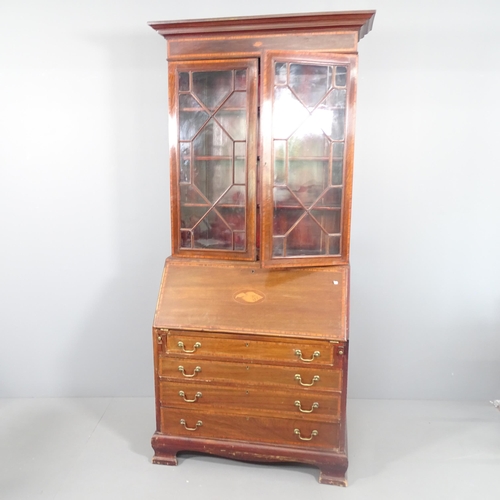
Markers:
point(332, 464)
point(332, 475)
point(164, 459)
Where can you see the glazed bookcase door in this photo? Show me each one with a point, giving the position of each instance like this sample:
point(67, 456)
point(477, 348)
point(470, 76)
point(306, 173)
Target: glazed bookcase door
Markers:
point(213, 121)
point(308, 139)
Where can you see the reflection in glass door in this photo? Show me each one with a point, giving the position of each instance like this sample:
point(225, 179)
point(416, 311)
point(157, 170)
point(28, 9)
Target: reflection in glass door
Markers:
point(308, 156)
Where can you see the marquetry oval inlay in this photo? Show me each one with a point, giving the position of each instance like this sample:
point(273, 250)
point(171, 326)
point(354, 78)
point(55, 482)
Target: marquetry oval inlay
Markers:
point(249, 297)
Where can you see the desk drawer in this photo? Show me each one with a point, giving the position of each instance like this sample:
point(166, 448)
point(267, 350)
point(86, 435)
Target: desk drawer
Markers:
point(282, 431)
point(244, 347)
point(301, 378)
point(254, 400)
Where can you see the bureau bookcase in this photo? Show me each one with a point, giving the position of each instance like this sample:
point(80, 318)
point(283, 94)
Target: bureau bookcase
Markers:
point(251, 326)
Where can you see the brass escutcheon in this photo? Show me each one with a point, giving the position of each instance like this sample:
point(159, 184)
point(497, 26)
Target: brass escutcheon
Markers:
point(195, 346)
point(314, 405)
point(298, 353)
point(314, 379)
point(313, 434)
point(196, 370)
point(196, 396)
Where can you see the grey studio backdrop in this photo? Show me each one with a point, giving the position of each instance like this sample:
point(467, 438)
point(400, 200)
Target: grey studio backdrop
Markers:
point(84, 201)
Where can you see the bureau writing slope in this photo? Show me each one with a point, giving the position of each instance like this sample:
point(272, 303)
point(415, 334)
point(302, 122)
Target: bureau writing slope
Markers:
point(251, 326)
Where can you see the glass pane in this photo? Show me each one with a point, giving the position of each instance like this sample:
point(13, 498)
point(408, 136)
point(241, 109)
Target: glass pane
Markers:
point(235, 196)
point(213, 141)
point(240, 240)
point(337, 172)
point(308, 180)
point(185, 162)
point(191, 196)
point(331, 120)
point(310, 83)
point(212, 152)
point(306, 238)
point(332, 198)
point(340, 76)
point(309, 116)
point(338, 149)
point(279, 162)
point(338, 124)
point(190, 216)
point(280, 73)
point(308, 140)
point(240, 81)
point(212, 87)
point(283, 197)
point(185, 239)
point(212, 178)
point(240, 152)
point(334, 245)
point(329, 220)
point(233, 216)
point(335, 99)
point(184, 82)
point(212, 232)
point(191, 117)
point(289, 113)
point(233, 116)
point(278, 246)
point(285, 219)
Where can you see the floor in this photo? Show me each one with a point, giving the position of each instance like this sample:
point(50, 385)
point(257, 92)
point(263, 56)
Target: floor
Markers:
point(68, 449)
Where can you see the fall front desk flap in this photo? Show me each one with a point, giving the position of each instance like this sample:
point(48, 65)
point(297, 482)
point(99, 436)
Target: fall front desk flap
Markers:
point(309, 303)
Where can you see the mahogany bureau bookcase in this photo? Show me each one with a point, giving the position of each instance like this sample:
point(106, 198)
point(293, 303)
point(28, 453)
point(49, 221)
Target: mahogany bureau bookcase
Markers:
point(251, 327)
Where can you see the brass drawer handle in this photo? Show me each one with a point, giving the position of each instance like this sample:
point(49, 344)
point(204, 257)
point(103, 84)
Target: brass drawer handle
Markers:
point(313, 434)
point(196, 370)
point(198, 424)
point(314, 379)
point(183, 396)
point(314, 405)
point(195, 346)
point(298, 353)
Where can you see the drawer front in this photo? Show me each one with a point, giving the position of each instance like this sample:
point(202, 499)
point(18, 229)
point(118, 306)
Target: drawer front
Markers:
point(282, 431)
point(296, 403)
point(318, 379)
point(298, 351)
